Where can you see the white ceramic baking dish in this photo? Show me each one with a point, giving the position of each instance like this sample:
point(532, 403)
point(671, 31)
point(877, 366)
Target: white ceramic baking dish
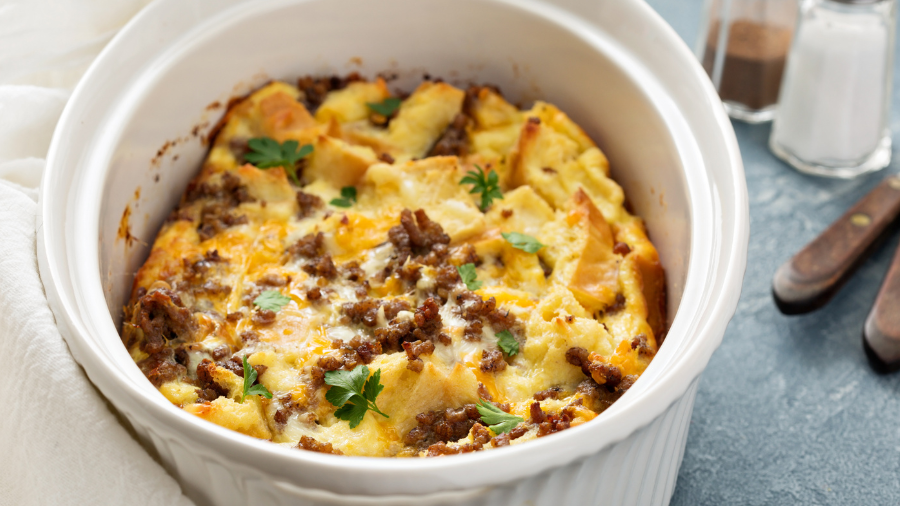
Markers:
point(132, 136)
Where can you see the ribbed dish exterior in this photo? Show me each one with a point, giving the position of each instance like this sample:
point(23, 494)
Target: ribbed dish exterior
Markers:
point(639, 471)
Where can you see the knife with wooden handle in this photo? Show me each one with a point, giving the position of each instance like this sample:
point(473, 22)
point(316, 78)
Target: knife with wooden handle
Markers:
point(809, 279)
point(881, 333)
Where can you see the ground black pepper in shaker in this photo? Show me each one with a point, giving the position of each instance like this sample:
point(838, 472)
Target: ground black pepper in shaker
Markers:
point(756, 37)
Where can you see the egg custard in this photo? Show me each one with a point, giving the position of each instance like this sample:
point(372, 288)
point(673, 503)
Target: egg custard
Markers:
point(364, 274)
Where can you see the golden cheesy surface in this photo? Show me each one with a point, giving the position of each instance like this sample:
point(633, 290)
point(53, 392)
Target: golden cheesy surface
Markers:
point(552, 337)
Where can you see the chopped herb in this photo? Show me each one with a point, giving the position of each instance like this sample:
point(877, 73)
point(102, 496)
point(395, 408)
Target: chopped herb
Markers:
point(266, 153)
point(469, 276)
point(507, 342)
point(523, 242)
point(496, 419)
point(386, 108)
point(271, 300)
point(249, 387)
point(348, 197)
point(488, 185)
point(354, 393)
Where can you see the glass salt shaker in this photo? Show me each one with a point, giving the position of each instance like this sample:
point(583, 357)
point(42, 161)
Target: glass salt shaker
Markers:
point(743, 49)
point(834, 112)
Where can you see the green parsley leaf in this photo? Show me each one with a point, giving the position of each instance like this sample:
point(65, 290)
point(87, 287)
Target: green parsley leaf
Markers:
point(488, 185)
point(258, 389)
point(348, 381)
point(266, 153)
point(372, 389)
point(496, 419)
point(353, 412)
point(469, 276)
point(386, 108)
point(271, 300)
point(523, 242)
point(507, 342)
point(348, 197)
point(249, 378)
point(354, 393)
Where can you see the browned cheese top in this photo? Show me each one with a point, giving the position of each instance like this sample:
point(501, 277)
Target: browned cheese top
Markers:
point(378, 283)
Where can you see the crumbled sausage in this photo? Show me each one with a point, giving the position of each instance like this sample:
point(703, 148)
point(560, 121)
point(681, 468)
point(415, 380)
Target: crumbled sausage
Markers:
point(616, 306)
point(550, 393)
point(309, 246)
point(396, 332)
point(483, 393)
point(444, 426)
point(537, 414)
point(455, 140)
point(315, 89)
point(329, 363)
point(311, 444)
point(428, 320)
point(220, 352)
point(161, 367)
point(273, 279)
point(414, 350)
point(620, 248)
point(353, 272)
point(517, 432)
point(594, 367)
point(364, 311)
point(249, 336)
point(640, 344)
point(314, 293)
point(163, 318)
point(554, 423)
point(263, 317)
point(206, 378)
point(394, 306)
point(323, 267)
point(234, 364)
point(316, 377)
point(480, 434)
point(500, 440)
point(492, 361)
point(230, 192)
point(473, 331)
point(416, 235)
point(215, 218)
point(308, 203)
point(367, 351)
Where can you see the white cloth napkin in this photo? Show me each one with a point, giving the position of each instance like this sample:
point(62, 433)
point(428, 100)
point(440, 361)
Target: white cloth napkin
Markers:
point(60, 443)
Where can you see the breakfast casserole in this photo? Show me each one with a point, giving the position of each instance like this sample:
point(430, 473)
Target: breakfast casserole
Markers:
point(364, 272)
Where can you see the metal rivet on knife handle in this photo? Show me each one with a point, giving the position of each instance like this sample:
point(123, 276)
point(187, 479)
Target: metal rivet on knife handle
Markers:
point(861, 220)
point(881, 333)
point(808, 280)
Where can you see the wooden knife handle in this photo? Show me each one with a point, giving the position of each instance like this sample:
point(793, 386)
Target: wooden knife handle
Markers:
point(809, 279)
point(881, 333)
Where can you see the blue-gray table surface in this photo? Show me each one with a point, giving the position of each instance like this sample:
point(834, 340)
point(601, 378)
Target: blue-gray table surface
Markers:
point(789, 411)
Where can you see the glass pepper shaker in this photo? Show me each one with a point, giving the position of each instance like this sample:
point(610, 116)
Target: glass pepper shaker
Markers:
point(743, 49)
point(835, 100)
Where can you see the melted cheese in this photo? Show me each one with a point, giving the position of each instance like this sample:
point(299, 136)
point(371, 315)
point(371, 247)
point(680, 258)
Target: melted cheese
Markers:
point(556, 189)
